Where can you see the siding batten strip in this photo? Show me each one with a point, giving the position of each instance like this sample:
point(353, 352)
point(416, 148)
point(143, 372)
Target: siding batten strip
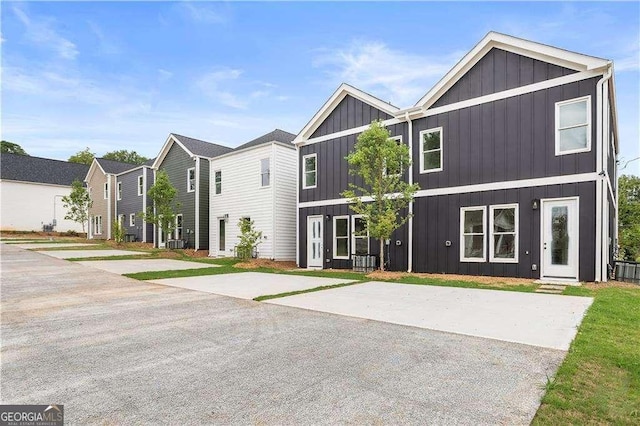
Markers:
point(197, 204)
point(144, 202)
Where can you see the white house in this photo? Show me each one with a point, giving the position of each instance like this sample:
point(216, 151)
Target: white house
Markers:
point(257, 181)
point(31, 191)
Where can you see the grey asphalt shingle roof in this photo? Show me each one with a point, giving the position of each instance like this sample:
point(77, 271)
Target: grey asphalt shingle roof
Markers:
point(26, 168)
point(277, 135)
point(202, 148)
point(114, 167)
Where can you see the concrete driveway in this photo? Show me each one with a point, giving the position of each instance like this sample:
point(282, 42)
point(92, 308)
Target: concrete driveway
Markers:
point(249, 285)
point(45, 245)
point(118, 351)
point(72, 254)
point(132, 266)
point(546, 320)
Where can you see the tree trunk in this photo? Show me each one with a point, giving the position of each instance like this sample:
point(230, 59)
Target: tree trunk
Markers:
point(382, 255)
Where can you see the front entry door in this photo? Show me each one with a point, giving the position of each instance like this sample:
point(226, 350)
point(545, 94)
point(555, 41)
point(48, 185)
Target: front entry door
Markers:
point(222, 237)
point(560, 239)
point(314, 242)
point(161, 242)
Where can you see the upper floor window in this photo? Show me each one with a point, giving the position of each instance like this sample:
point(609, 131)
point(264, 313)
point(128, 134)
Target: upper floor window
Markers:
point(573, 126)
point(106, 190)
point(265, 172)
point(431, 150)
point(140, 185)
point(395, 169)
point(472, 234)
point(119, 190)
point(218, 181)
point(191, 179)
point(309, 171)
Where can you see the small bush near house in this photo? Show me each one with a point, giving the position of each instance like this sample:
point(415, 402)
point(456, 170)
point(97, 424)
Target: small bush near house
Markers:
point(118, 232)
point(249, 239)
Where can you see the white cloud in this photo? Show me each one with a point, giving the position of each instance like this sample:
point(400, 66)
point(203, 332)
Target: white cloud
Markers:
point(392, 75)
point(105, 44)
point(203, 13)
point(41, 31)
point(164, 75)
point(214, 84)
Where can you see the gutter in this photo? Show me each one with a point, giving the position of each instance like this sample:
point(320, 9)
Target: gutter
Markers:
point(410, 222)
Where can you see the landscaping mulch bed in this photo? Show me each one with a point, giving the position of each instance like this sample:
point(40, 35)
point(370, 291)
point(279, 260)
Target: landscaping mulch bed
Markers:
point(493, 281)
point(265, 263)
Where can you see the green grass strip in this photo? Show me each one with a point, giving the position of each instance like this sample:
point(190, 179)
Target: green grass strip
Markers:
point(311, 290)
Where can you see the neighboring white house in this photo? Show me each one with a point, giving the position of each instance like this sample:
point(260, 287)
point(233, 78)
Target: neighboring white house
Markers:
point(257, 181)
point(31, 191)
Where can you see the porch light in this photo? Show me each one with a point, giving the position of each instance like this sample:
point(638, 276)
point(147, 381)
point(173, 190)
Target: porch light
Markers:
point(534, 204)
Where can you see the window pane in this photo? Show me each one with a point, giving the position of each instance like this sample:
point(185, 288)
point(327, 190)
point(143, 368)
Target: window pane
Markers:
point(504, 220)
point(473, 222)
point(504, 246)
point(359, 226)
point(573, 114)
point(431, 140)
point(310, 179)
point(473, 246)
point(432, 160)
point(264, 165)
point(309, 164)
point(342, 248)
point(265, 179)
point(362, 246)
point(559, 236)
point(575, 138)
point(341, 228)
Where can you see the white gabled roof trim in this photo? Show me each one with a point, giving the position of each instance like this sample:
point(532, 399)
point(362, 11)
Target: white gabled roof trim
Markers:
point(542, 52)
point(165, 150)
point(333, 102)
point(92, 169)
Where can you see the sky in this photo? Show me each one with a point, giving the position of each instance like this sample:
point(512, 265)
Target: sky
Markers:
point(123, 75)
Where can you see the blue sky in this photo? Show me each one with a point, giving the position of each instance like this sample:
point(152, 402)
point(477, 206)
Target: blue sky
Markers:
point(123, 75)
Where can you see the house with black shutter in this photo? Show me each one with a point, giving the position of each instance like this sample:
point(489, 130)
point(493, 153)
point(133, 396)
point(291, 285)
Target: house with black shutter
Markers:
point(514, 150)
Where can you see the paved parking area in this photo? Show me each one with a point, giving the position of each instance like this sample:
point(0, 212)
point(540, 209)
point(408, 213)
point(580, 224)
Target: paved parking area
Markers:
point(119, 351)
point(37, 245)
point(72, 254)
point(546, 320)
point(249, 285)
point(132, 266)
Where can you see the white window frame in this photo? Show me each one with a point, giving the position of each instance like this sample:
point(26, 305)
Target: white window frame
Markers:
point(422, 151)
point(106, 190)
point(484, 234)
point(140, 185)
point(189, 189)
point(175, 231)
point(354, 236)
point(335, 238)
point(119, 191)
point(98, 225)
point(398, 139)
point(215, 182)
point(557, 125)
point(132, 219)
point(268, 173)
point(516, 233)
point(304, 171)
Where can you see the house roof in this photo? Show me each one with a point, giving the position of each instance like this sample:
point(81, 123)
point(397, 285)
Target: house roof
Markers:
point(202, 148)
point(26, 168)
point(275, 136)
point(334, 101)
point(114, 167)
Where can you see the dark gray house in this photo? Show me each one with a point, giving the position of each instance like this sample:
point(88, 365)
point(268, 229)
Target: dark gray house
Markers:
point(186, 161)
point(515, 153)
point(131, 199)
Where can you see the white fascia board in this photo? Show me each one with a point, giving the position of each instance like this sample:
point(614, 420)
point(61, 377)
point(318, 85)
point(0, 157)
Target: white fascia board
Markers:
point(332, 103)
point(92, 170)
point(165, 150)
point(553, 55)
point(251, 148)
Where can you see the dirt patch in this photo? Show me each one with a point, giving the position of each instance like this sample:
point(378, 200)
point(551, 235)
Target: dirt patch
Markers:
point(611, 284)
point(265, 263)
point(493, 281)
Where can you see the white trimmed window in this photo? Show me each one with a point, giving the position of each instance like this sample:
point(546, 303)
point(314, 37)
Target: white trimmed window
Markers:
point(573, 126)
point(132, 219)
point(140, 185)
point(359, 236)
point(191, 179)
point(106, 190)
point(121, 220)
point(218, 181)
point(97, 225)
point(119, 190)
point(265, 172)
point(178, 230)
point(341, 237)
point(503, 226)
point(431, 150)
point(472, 234)
point(309, 171)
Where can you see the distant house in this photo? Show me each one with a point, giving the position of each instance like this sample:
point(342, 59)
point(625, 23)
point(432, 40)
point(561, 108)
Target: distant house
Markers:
point(256, 181)
point(101, 184)
point(131, 200)
point(514, 150)
point(31, 191)
point(186, 161)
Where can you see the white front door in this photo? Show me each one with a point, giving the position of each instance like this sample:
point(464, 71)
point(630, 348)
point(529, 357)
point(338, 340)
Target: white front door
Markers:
point(161, 242)
point(314, 242)
point(560, 239)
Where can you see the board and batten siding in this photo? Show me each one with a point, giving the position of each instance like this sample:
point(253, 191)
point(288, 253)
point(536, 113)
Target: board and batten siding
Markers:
point(349, 113)
point(243, 196)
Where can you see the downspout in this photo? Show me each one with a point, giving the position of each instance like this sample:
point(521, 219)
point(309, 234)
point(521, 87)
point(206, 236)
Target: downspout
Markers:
point(115, 201)
point(156, 240)
point(273, 166)
point(109, 193)
point(144, 203)
point(298, 236)
point(197, 203)
point(410, 222)
point(599, 169)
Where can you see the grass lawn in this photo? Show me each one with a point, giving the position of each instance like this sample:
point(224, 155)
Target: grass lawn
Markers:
point(599, 380)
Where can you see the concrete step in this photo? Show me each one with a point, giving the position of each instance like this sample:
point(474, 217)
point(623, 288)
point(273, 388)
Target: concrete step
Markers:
point(552, 287)
point(549, 291)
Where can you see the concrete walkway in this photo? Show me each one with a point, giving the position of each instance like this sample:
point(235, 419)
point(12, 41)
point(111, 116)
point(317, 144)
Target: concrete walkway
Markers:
point(47, 244)
point(249, 285)
point(549, 321)
point(72, 254)
point(132, 266)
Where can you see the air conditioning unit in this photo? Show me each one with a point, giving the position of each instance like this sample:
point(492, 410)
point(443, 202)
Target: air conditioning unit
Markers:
point(175, 244)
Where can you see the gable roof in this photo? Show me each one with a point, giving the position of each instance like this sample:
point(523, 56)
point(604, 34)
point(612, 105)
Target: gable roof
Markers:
point(275, 136)
point(114, 167)
point(26, 168)
point(542, 52)
point(334, 101)
point(193, 147)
